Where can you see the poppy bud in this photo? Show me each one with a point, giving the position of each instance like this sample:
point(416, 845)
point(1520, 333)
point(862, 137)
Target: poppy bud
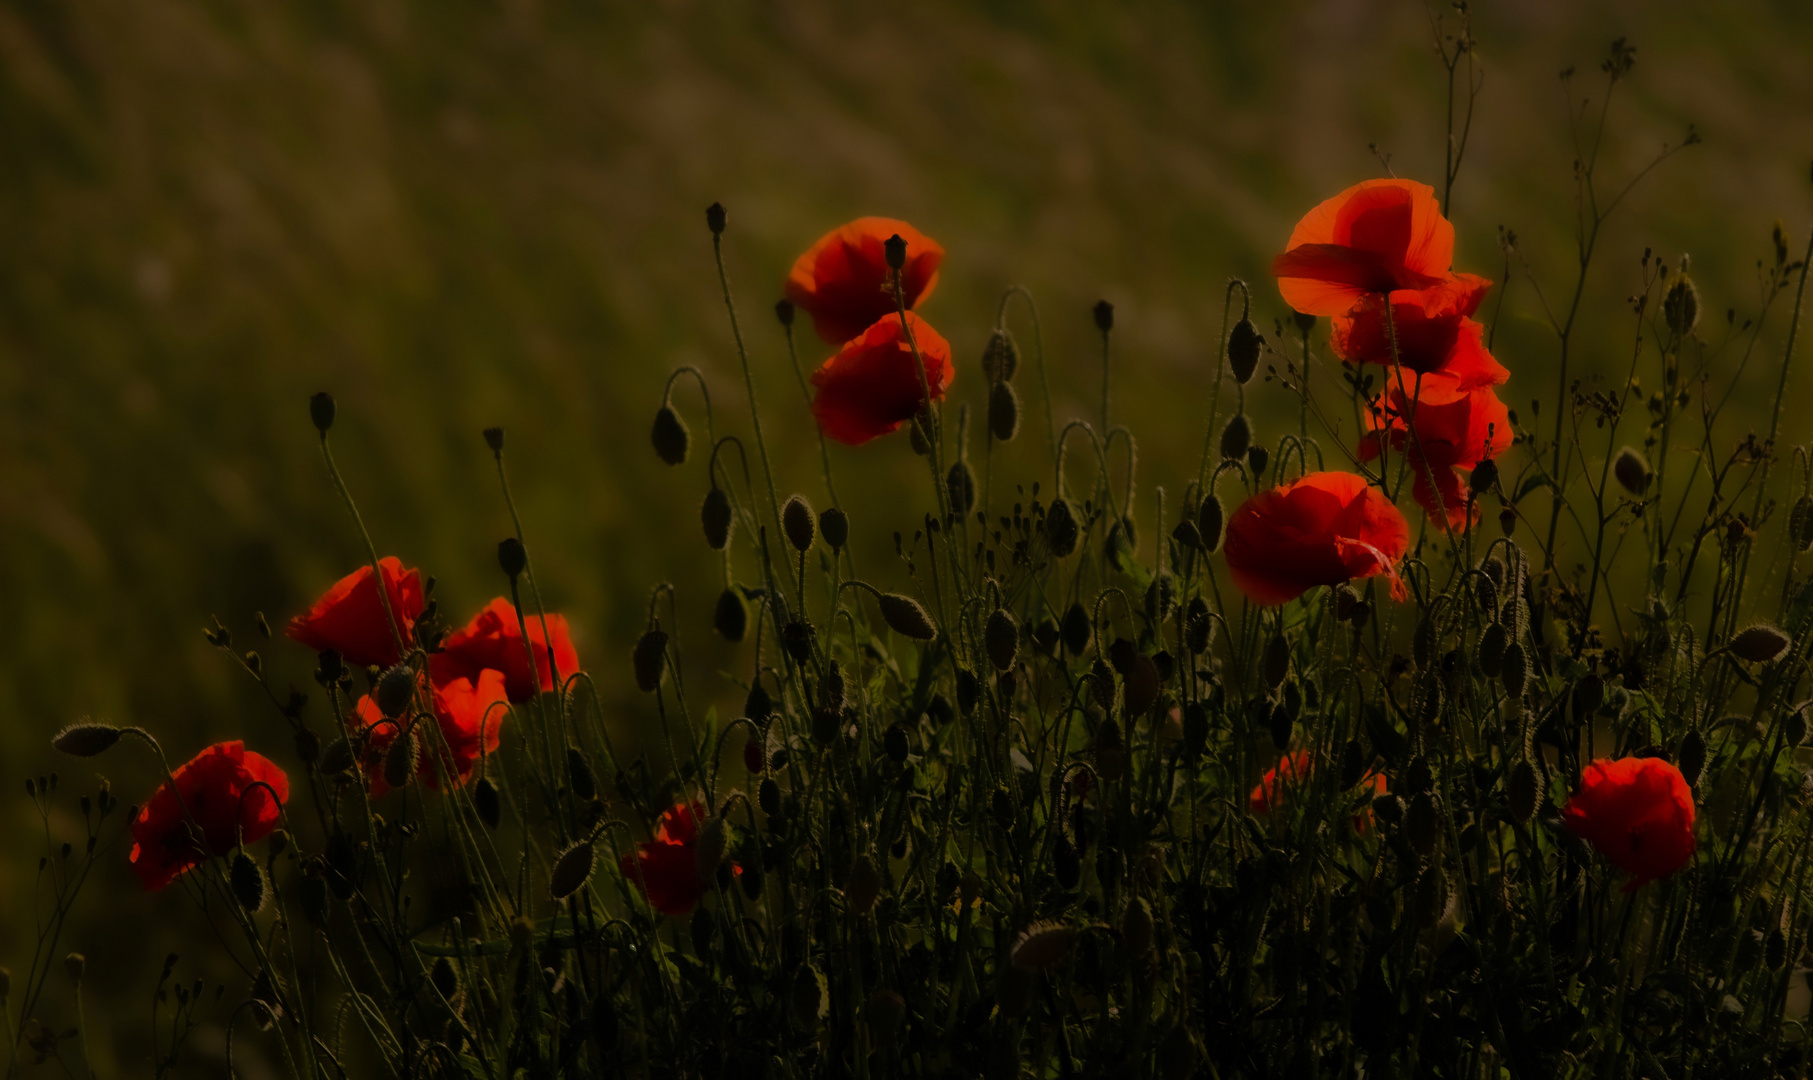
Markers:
point(864, 886)
point(1800, 523)
point(1003, 412)
point(1277, 660)
point(1492, 643)
point(337, 758)
point(445, 978)
point(1001, 639)
point(894, 250)
point(768, 796)
point(962, 484)
point(1692, 756)
point(894, 741)
point(76, 965)
point(1137, 926)
point(1061, 528)
point(650, 660)
point(1422, 823)
point(579, 775)
point(494, 438)
point(1794, 728)
point(757, 704)
point(1522, 790)
point(1209, 518)
point(1507, 520)
point(1065, 865)
point(826, 723)
point(714, 218)
point(731, 616)
point(808, 997)
point(247, 880)
point(1104, 316)
point(1042, 945)
point(1681, 306)
point(906, 617)
point(1256, 458)
point(1186, 535)
point(798, 523)
point(1758, 644)
point(1589, 694)
point(1075, 630)
point(1632, 471)
point(1244, 345)
point(485, 800)
point(1514, 670)
point(321, 411)
point(834, 526)
point(1483, 477)
point(1280, 726)
point(716, 518)
point(783, 310)
point(571, 871)
point(1001, 356)
point(969, 690)
point(672, 440)
point(1110, 750)
point(86, 739)
point(511, 557)
point(401, 759)
point(1236, 437)
point(395, 687)
point(796, 639)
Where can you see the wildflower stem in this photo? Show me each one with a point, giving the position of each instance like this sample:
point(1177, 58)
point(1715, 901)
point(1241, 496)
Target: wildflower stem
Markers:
point(755, 413)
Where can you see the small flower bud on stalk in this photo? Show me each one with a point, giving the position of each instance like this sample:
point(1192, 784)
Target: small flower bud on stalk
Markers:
point(1483, 477)
point(1632, 471)
point(1681, 305)
point(649, 660)
point(906, 617)
point(783, 310)
point(1256, 458)
point(1209, 519)
point(798, 522)
point(494, 438)
point(1523, 791)
point(730, 616)
point(1075, 629)
point(76, 965)
point(579, 775)
point(1061, 530)
point(401, 759)
point(962, 484)
point(1001, 356)
point(1507, 521)
point(86, 738)
point(248, 883)
point(1276, 664)
point(1003, 412)
point(714, 218)
point(1759, 644)
point(1001, 639)
point(671, 439)
point(395, 689)
point(1236, 437)
point(716, 518)
point(1690, 758)
point(894, 250)
point(571, 871)
point(511, 557)
point(321, 411)
point(834, 526)
point(1244, 346)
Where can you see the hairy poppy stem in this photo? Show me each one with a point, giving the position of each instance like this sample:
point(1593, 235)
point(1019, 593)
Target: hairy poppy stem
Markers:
point(371, 549)
point(755, 413)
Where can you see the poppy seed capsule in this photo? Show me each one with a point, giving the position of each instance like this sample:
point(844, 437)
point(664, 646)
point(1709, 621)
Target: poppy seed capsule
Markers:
point(1690, 758)
point(672, 440)
point(962, 484)
point(1522, 790)
point(395, 687)
point(783, 310)
point(86, 739)
point(1001, 356)
point(650, 660)
point(1632, 471)
point(1061, 528)
point(571, 871)
point(757, 704)
point(1681, 306)
point(798, 522)
point(1236, 437)
point(1209, 520)
point(1759, 644)
point(247, 881)
point(321, 411)
point(1507, 520)
point(1483, 477)
point(494, 438)
point(511, 557)
point(716, 518)
point(1003, 412)
point(906, 617)
point(714, 218)
point(1001, 639)
point(730, 617)
point(894, 250)
point(1244, 345)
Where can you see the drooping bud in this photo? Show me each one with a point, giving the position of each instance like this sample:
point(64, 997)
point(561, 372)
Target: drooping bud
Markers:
point(1001, 356)
point(834, 526)
point(1492, 645)
point(579, 775)
point(714, 218)
point(1256, 458)
point(716, 518)
point(730, 617)
point(962, 484)
point(1514, 670)
point(485, 800)
point(1209, 518)
point(906, 617)
point(1690, 758)
point(757, 704)
point(1632, 471)
point(783, 310)
point(321, 411)
point(1483, 477)
point(650, 660)
point(1061, 530)
point(1001, 639)
point(511, 557)
point(1277, 660)
point(1759, 644)
point(1003, 412)
point(1681, 306)
point(1236, 437)
point(1507, 520)
point(1244, 345)
point(798, 522)
point(86, 738)
point(1075, 629)
point(248, 883)
point(1522, 789)
point(672, 440)
point(395, 689)
point(1042, 945)
point(572, 870)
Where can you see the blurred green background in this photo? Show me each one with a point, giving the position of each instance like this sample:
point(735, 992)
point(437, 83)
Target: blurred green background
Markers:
point(462, 213)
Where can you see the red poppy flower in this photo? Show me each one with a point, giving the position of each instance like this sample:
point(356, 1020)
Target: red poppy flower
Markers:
point(1434, 332)
point(666, 868)
point(1273, 789)
point(469, 714)
point(1638, 812)
point(350, 618)
point(218, 802)
point(493, 640)
point(1376, 237)
point(843, 280)
point(872, 386)
point(1456, 429)
point(1326, 528)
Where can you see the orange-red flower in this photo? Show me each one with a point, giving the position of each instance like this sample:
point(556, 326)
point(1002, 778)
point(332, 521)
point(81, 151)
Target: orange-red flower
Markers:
point(666, 868)
point(494, 640)
point(469, 713)
point(1638, 812)
point(220, 800)
point(1274, 788)
point(872, 386)
point(1374, 238)
point(1434, 332)
point(1326, 528)
point(350, 617)
point(843, 280)
point(1456, 429)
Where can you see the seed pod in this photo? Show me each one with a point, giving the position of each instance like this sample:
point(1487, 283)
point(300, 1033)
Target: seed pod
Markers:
point(730, 617)
point(1003, 412)
point(796, 638)
point(248, 883)
point(672, 440)
point(834, 526)
point(1001, 639)
point(1514, 670)
point(395, 688)
point(1758, 644)
point(1632, 471)
point(798, 522)
point(1681, 306)
point(579, 775)
point(1209, 518)
point(962, 484)
point(1244, 345)
point(1800, 523)
point(572, 870)
point(486, 802)
point(906, 617)
point(757, 705)
point(1507, 521)
point(1522, 791)
point(969, 691)
point(86, 738)
point(1256, 458)
point(1075, 629)
point(711, 845)
point(716, 518)
point(402, 759)
point(650, 660)
point(1236, 437)
point(321, 411)
point(714, 218)
point(1277, 662)
point(1196, 626)
point(1061, 528)
point(864, 886)
point(511, 558)
point(1281, 725)
point(1492, 645)
point(768, 796)
point(1137, 926)
point(1421, 824)
point(1483, 477)
point(1691, 756)
point(826, 723)
point(1794, 727)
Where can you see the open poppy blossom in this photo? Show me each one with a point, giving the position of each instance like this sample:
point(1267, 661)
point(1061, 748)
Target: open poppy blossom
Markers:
point(1324, 529)
point(843, 281)
point(1273, 790)
point(469, 713)
point(220, 800)
point(1456, 429)
point(872, 385)
point(666, 867)
point(1434, 332)
point(1376, 237)
point(1638, 813)
point(351, 618)
point(494, 640)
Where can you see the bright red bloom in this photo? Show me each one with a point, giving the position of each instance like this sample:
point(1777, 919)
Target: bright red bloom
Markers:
point(1374, 238)
point(1434, 332)
point(218, 802)
point(1326, 528)
point(350, 618)
point(1273, 789)
point(1638, 812)
point(1456, 429)
point(872, 386)
point(842, 281)
point(469, 713)
point(494, 640)
point(666, 868)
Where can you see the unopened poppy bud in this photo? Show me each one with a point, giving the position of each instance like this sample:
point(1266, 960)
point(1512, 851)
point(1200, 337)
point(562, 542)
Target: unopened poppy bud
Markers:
point(712, 844)
point(1794, 728)
point(1422, 823)
point(894, 250)
point(757, 705)
point(1075, 629)
point(395, 687)
point(445, 977)
point(1061, 530)
point(1514, 670)
point(864, 886)
point(1110, 750)
point(511, 557)
point(1104, 316)
point(768, 796)
point(730, 617)
point(1522, 791)
point(321, 411)
point(1632, 471)
point(1236, 437)
point(401, 759)
point(755, 757)
point(1244, 345)
point(280, 842)
point(572, 870)
point(894, 741)
point(1691, 756)
point(906, 617)
point(1681, 306)
point(1277, 660)
point(961, 480)
point(1003, 412)
point(1001, 356)
point(494, 438)
point(1256, 458)
point(1507, 520)
point(1800, 523)
point(86, 739)
point(1305, 322)
point(337, 758)
point(969, 691)
point(1042, 945)
point(1759, 644)
point(1001, 639)
point(716, 518)
point(796, 639)
point(579, 775)
point(1209, 518)
point(247, 880)
point(76, 965)
point(834, 526)
point(1280, 726)
point(1137, 926)
point(783, 310)
point(1187, 536)
point(714, 218)
point(650, 660)
point(798, 523)
point(1483, 477)
point(669, 434)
